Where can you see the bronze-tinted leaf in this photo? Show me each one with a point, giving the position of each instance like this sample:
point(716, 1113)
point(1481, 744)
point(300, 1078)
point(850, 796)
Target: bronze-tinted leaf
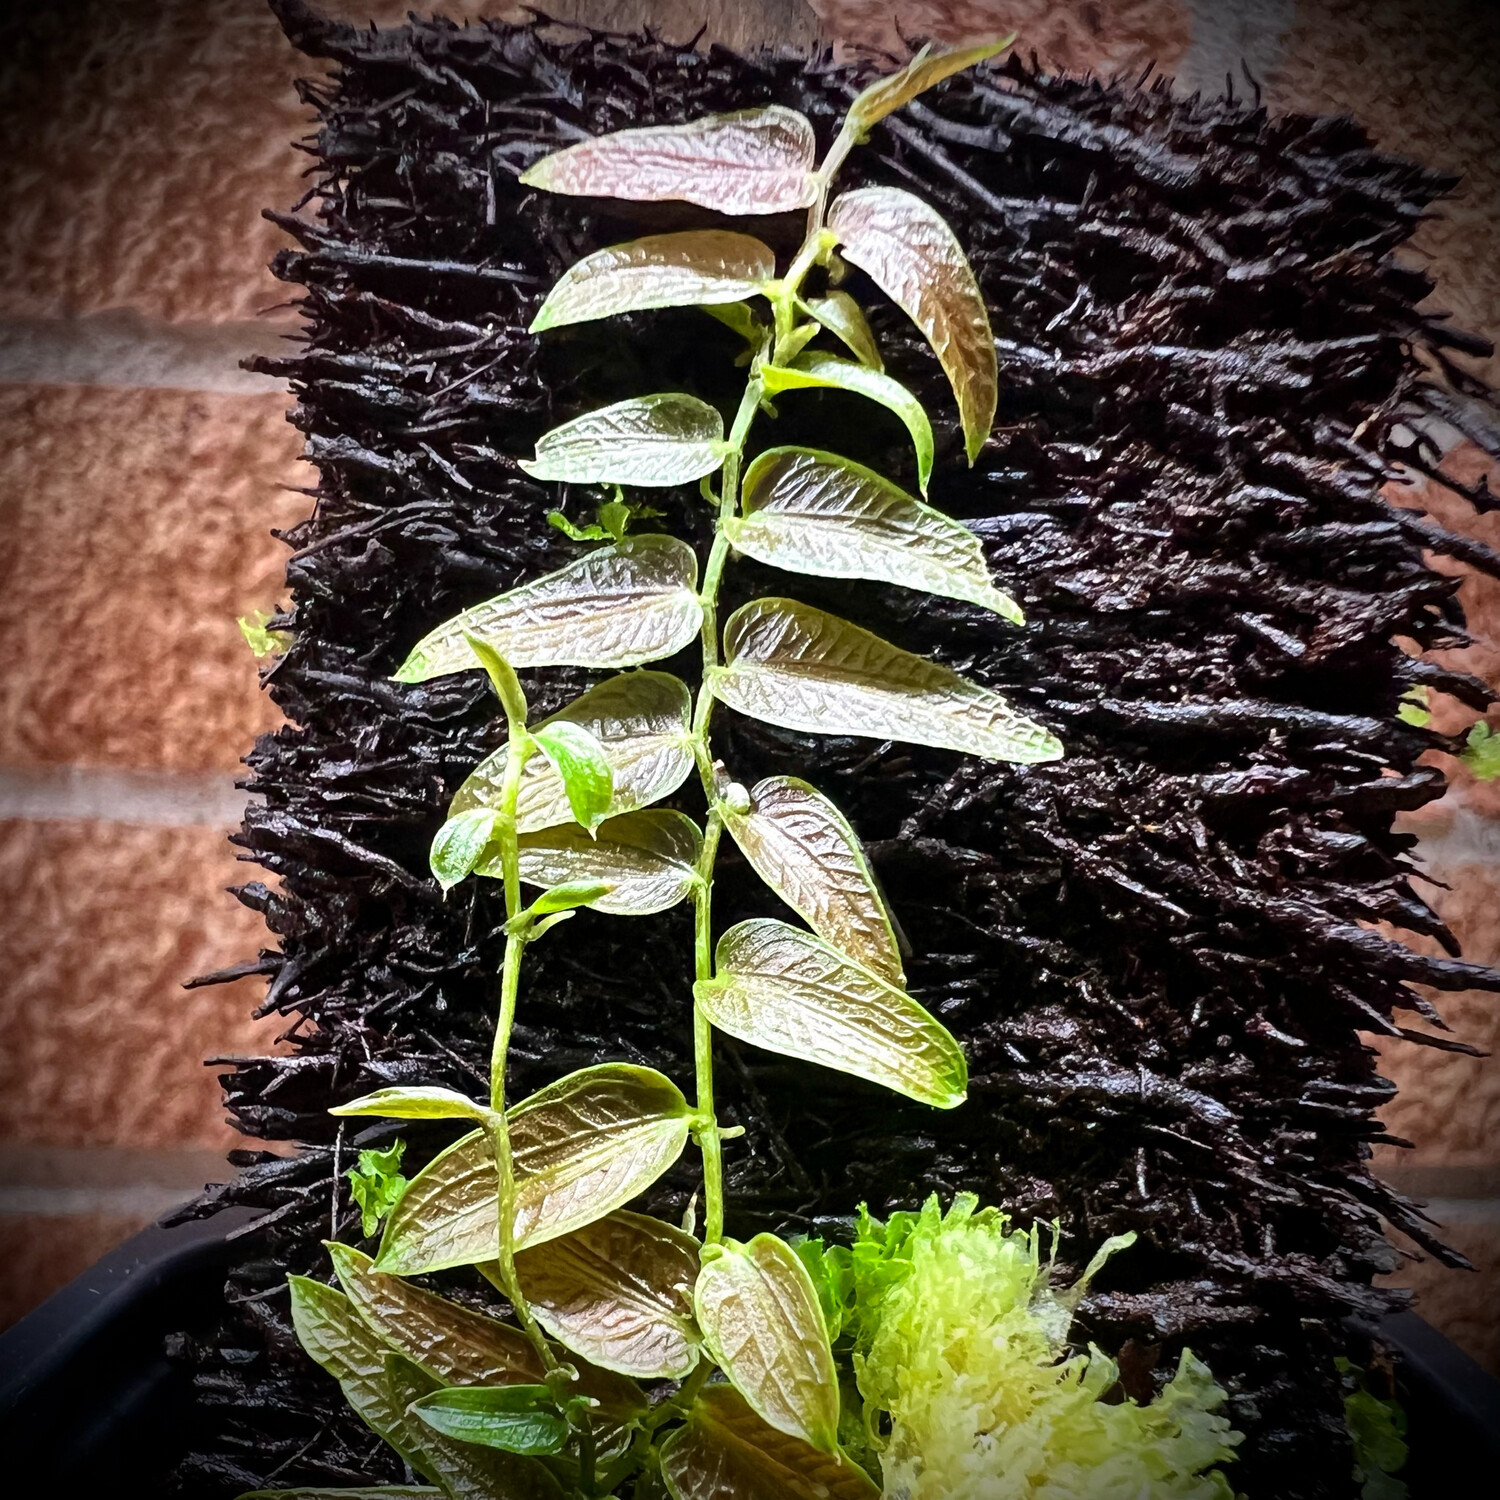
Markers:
point(726, 1452)
point(754, 161)
point(333, 1334)
point(619, 1292)
point(802, 846)
point(813, 512)
point(617, 606)
point(781, 988)
point(916, 260)
point(655, 441)
point(701, 267)
point(648, 858)
point(644, 722)
point(792, 665)
point(759, 1313)
point(457, 1346)
point(931, 65)
point(582, 1147)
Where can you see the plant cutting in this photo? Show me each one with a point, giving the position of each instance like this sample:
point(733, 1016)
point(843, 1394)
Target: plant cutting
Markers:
point(769, 1395)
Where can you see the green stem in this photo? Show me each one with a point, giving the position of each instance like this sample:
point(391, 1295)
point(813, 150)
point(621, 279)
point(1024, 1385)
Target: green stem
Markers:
point(521, 747)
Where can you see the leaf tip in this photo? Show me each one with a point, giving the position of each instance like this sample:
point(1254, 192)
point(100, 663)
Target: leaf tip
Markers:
point(412, 670)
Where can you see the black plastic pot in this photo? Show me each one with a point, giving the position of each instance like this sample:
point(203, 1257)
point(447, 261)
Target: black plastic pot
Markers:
point(90, 1404)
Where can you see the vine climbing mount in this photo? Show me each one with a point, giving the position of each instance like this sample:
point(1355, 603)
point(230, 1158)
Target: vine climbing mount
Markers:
point(534, 1195)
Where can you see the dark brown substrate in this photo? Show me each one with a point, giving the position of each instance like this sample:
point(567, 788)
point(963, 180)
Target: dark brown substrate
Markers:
point(1153, 951)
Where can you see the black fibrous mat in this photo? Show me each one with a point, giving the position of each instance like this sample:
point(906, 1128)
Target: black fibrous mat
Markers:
point(1154, 951)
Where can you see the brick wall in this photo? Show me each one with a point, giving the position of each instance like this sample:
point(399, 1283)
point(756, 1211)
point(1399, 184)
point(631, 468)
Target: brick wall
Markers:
point(141, 473)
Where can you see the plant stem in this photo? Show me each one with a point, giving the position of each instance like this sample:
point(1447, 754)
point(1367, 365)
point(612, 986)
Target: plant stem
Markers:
point(521, 747)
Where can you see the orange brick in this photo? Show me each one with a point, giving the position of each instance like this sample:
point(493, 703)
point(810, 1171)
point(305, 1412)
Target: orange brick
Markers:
point(1449, 1104)
point(1464, 1305)
point(100, 924)
point(1072, 35)
point(136, 527)
point(1421, 77)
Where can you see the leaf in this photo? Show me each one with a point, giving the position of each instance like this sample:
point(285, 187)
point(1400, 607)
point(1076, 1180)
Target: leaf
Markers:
point(619, 1292)
point(1414, 708)
point(568, 897)
point(726, 1452)
point(459, 845)
point(582, 1147)
point(375, 1184)
point(912, 255)
point(334, 1336)
point(465, 1471)
point(754, 161)
point(648, 858)
point(262, 642)
point(414, 1104)
point(802, 846)
point(739, 318)
point(792, 665)
point(927, 68)
point(843, 317)
point(813, 512)
point(761, 1323)
point(698, 268)
point(1481, 752)
point(582, 767)
point(787, 991)
point(514, 1418)
point(502, 677)
point(457, 1346)
point(590, 533)
point(616, 606)
point(644, 722)
point(827, 371)
point(659, 440)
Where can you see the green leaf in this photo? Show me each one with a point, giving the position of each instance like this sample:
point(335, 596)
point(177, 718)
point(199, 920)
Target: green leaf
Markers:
point(581, 766)
point(812, 512)
point(590, 533)
point(414, 1104)
point(802, 846)
point(648, 859)
point(700, 267)
point(262, 642)
point(1413, 708)
point(335, 1337)
point(616, 606)
point(792, 665)
point(783, 989)
point(737, 316)
point(911, 254)
point(459, 845)
point(582, 1147)
point(375, 1184)
point(466, 1471)
point(929, 66)
point(568, 897)
point(457, 1346)
point(754, 161)
point(502, 677)
point(515, 1418)
point(815, 370)
point(843, 317)
point(726, 1452)
point(1481, 753)
point(659, 440)
point(643, 721)
point(761, 1323)
point(619, 1292)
